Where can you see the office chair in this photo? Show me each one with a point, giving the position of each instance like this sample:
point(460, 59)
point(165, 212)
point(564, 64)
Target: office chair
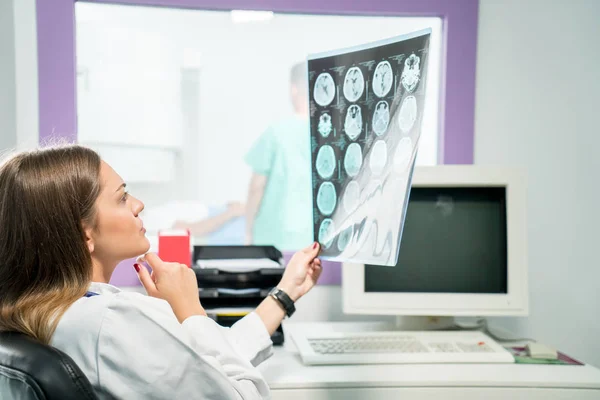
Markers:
point(30, 370)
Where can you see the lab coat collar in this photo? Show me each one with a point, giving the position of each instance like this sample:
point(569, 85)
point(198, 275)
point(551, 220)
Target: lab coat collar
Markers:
point(103, 288)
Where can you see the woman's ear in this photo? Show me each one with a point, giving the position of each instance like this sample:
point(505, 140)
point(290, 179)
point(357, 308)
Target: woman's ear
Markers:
point(89, 239)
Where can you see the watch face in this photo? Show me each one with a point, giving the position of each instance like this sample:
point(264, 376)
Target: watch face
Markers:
point(411, 73)
point(325, 125)
point(382, 79)
point(324, 90)
point(353, 122)
point(325, 162)
point(354, 84)
point(381, 118)
point(326, 198)
point(407, 114)
point(284, 300)
point(353, 159)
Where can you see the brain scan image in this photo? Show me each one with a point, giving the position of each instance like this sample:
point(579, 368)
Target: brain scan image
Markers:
point(353, 159)
point(382, 79)
point(325, 124)
point(365, 113)
point(381, 118)
point(407, 114)
point(353, 122)
point(325, 162)
point(324, 90)
point(402, 155)
point(344, 237)
point(354, 84)
point(351, 197)
point(326, 198)
point(378, 157)
point(326, 230)
point(411, 73)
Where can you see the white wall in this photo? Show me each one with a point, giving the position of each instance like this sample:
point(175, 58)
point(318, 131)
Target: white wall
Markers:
point(537, 107)
point(18, 75)
point(8, 123)
point(26, 74)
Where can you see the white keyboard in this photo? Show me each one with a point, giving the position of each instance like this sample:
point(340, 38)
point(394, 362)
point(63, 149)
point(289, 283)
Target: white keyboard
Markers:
point(395, 347)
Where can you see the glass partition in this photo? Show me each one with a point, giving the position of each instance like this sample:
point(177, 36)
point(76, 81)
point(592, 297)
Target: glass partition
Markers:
point(177, 100)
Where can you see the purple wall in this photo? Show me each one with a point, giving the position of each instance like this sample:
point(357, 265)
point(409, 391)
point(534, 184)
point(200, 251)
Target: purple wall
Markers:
point(56, 65)
point(124, 275)
point(56, 69)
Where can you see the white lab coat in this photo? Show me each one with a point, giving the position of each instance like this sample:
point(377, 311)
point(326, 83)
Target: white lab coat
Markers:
point(131, 346)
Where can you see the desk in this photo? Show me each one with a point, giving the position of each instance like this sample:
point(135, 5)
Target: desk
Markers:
point(290, 379)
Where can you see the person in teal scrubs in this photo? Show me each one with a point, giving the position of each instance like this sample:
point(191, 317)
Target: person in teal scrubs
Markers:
point(279, 204)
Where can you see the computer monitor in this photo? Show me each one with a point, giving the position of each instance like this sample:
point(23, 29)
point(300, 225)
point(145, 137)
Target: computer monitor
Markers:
point(463, 249)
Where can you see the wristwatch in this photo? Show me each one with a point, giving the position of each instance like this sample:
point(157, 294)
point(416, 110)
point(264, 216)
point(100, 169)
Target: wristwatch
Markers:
point(284, 300)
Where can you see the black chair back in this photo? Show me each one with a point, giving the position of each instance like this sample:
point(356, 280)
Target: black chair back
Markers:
point(30, 370)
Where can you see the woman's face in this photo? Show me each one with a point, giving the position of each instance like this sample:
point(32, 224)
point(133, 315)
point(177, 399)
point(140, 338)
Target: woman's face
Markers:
point(119, 232)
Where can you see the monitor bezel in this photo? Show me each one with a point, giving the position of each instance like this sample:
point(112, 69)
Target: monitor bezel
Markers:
point(512, 303)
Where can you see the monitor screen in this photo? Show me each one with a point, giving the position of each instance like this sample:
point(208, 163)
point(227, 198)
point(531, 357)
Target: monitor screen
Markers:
point(454, 241)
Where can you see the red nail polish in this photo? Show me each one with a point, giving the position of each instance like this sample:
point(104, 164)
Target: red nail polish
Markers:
point(137, 267)
point(315, 245)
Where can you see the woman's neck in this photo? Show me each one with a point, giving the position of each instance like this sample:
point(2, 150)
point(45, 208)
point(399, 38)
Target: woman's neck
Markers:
point(102, 271)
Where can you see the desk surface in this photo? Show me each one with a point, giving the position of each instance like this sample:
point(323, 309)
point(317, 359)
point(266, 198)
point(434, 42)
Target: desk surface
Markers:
point(285, 370)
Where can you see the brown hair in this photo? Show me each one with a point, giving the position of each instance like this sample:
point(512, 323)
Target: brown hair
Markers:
point(47, 198)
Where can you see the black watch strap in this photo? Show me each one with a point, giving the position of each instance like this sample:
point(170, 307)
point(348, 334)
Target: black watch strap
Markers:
point(284, 300)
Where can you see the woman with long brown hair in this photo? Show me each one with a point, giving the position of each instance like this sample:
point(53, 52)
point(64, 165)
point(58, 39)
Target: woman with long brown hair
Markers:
point(66, 221)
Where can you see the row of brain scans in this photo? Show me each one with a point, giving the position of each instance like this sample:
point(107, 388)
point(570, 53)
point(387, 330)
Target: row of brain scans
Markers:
point(353, 122)
point(354, 81)
point(353, 159)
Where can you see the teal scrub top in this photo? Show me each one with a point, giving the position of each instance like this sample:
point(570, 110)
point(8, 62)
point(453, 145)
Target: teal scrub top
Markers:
point(282, 154)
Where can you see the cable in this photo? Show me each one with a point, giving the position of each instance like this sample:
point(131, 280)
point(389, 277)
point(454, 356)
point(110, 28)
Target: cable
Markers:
point(482, 325)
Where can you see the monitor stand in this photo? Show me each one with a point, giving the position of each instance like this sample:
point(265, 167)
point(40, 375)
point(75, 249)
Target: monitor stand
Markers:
point(424, 323)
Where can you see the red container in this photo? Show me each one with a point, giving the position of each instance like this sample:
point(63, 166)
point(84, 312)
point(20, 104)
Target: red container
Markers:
point(174, 246)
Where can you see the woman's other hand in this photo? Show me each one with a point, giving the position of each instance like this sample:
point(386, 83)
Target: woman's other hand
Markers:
point(302, 272)
point(173, 282)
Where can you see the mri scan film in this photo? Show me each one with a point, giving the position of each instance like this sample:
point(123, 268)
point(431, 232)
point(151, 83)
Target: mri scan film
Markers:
point(366, 110)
